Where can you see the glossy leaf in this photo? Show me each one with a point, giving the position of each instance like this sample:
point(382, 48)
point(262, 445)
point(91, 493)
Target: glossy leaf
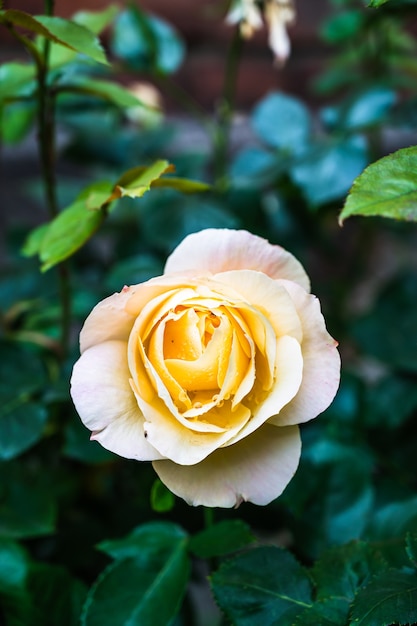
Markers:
point(146, 42)
point(145, 586)
point(222, 538)
point(59, 30)
point(75, 225)
point(326, 172)
point(387, 188)
point(391, 597)
point(263, 586)
point(282, 122)
point(145, 541)
point(95, 21)
point(377, 3)
point(138, 180)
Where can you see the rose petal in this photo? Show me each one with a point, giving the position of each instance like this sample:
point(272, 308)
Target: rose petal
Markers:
point(220, 250)
point(289, 372)
point(267, 296)
point(256, 469)
point(108, 321)
point(105, 402)
point(321, 373)
point(187, 446)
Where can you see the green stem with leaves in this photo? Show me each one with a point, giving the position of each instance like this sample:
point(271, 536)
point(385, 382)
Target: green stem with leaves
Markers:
point(46, 138)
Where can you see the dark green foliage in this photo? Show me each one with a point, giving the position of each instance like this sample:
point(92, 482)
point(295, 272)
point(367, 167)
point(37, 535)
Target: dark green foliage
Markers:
point(137, 186)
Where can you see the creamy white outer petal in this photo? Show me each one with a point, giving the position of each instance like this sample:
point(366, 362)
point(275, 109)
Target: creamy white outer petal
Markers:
point(220, 250)
point(105, 402)
point(321, 373)
point(108, 321)
point(257, 469)
point(267, 296)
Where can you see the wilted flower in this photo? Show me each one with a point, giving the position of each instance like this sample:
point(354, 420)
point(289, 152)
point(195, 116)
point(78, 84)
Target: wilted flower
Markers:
point(208, 369)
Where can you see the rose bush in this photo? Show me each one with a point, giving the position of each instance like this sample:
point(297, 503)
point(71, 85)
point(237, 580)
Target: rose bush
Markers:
point(207, 370)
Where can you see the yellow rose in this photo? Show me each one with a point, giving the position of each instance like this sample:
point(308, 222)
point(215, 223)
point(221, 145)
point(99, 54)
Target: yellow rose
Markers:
point(207, 370)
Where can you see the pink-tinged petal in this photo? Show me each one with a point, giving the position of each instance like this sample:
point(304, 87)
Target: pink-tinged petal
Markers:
point(105, 402)
point(321, 373)
point(257, 469)
point(108, 321)
point(220, 250)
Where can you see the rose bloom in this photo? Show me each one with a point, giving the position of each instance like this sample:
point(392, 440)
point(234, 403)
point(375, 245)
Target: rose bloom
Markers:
point(207, 370)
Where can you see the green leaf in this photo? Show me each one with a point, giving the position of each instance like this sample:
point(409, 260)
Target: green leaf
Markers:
point(162, 499)
point(137, 181)
point(255, 167)
point(377, 3)
point(13, 565)
point(95, 21)
point(75, 225)
point(392, 521)
point(368, 108)
point(145, 588)
point(16, 120)
point(26, 506)
point(390, 597)
point(282, 122)
point(34, 240)
point(325, 172)
point(387, 188)
point(22, 417)
point(342, 570)
point(329, 612)
point(263, 586)
point(184, 185)
point(343, 26)
point(59, 30)
point(145, 541)
point(16, 79)
point(222, 538)
point(146, 42)
point(168, 217)
point(103, 89)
